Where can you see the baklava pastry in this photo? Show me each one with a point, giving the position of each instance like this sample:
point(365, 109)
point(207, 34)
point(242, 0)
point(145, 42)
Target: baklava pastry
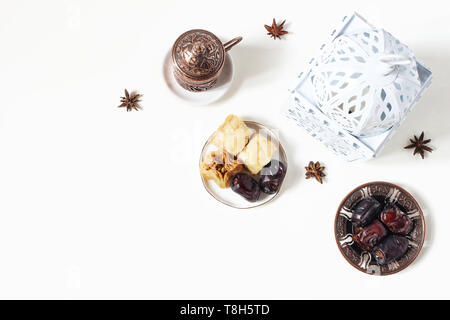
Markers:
point(257, 153)
point(232, 136)
point(220, 167)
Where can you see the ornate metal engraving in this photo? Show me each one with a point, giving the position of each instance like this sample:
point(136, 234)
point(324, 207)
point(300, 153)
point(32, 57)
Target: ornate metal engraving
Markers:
point(199, 54)
point(358, 258)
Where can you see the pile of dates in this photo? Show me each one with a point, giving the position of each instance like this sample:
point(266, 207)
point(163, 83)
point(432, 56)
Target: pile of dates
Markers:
point(381, 228)
point(270, 179)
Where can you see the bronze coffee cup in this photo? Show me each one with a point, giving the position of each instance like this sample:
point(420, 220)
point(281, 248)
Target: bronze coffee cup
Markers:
point(198, 57)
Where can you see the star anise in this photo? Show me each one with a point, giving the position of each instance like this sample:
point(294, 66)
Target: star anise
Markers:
point(131, 101)
point(315, 170)
point(419, 145)
point(276, 31)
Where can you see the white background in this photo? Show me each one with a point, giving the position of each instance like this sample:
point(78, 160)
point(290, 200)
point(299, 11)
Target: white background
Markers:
point(96, 202)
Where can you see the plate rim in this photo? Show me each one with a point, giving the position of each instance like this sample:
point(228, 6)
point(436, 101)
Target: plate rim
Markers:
point(167, 71)
point(251, 206)
point(420, 246)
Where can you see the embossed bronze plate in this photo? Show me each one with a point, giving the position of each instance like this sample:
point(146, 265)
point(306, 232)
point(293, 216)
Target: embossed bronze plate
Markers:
point(343, 229)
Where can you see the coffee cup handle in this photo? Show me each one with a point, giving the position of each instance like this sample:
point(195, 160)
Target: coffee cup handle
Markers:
point(230, 44)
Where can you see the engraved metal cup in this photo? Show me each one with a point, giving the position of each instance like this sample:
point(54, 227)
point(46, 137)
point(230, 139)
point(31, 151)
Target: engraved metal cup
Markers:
point(198, 57)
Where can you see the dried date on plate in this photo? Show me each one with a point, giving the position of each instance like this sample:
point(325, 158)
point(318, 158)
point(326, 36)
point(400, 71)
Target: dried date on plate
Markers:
point(370, 236)
point(272, 176)
point(391, 248)
point(365, 211)
point(246, 186)
point(396, 220)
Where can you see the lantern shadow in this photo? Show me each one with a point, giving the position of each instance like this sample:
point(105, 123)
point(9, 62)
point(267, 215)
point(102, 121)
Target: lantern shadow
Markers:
point(251, 64)
point(432, 112)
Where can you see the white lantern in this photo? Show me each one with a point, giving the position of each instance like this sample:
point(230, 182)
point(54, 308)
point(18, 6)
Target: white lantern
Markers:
point(358, 90)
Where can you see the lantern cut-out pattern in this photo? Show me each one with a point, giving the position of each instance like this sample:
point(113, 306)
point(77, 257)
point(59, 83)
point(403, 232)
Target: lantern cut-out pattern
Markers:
point(358, 90)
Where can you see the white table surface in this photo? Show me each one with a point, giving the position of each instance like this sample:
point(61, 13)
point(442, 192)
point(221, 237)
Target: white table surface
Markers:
point(96, 202)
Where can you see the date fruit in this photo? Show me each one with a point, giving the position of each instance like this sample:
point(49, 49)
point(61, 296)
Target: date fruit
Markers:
point(390, 249)
point(396, 220)
point(272, 176)
point(370, 236)
point(365, 211)
point(246, 186)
